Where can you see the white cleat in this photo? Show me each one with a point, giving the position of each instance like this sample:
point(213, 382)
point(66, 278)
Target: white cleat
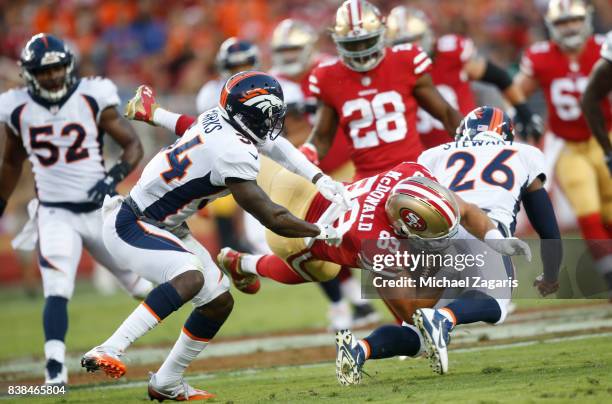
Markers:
point(435, 328)
point(179, 392)
point(349, 358)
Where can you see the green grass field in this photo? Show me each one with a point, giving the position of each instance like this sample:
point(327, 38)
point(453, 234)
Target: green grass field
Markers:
point(553, 372)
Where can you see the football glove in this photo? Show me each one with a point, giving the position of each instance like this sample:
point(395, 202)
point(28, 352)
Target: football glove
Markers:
point(107, 185)
point(329, 234)
point(507, 246)
point(142, 106)
point(528, 124)
point(333, 191)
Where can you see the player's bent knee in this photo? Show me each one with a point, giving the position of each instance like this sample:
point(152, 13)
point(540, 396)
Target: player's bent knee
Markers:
point(188, 283)
point(219, 308)
point(322, 271)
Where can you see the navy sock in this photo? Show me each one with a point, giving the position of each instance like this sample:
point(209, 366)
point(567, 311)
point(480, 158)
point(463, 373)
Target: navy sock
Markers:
point(55, 318)
point(200, 327)
point(331, 289)
point(164, 300)
point(474, 306)
point(393, 340)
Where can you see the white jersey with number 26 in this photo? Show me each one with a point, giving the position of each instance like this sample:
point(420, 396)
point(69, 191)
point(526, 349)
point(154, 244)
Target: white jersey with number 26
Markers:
point(491, 174)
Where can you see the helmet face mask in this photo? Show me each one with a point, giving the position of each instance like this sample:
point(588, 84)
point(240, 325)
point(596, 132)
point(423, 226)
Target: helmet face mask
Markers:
point(569, 23)
point(47, 66)
point(253, 103)
point(359, 35)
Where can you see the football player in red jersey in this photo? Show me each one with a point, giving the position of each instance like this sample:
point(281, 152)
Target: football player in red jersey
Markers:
point(294, 55)
point(561, 67)
point(455, 63)
point(371, 93)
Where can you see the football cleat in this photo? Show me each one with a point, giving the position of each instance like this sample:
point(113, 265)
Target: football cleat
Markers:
point(349, 358)
point(142, 106)
point(364, 314)
point(104, 358)
point(180, 392)
point(229, 261)
point(56, 374)
point(435, 328)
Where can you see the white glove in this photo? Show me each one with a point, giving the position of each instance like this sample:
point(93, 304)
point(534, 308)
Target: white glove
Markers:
point(507, 246)
point(333, 191)
point(329, 234)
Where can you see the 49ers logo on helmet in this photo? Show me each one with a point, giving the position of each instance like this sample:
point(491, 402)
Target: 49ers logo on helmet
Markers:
point(413, 220)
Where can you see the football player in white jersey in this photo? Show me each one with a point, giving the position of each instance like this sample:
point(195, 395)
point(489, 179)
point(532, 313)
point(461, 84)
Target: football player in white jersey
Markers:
point(217, 155)
point(484, 167)
point(57, 122)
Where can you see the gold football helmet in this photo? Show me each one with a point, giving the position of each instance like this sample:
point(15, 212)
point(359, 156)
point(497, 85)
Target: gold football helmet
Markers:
point(359, 35)
point(292, 47)
point(569, 22)
point(408, 25)
point(422, 209)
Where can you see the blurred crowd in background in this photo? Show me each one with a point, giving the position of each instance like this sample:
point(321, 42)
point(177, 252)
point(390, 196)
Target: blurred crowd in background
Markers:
point(172, 46)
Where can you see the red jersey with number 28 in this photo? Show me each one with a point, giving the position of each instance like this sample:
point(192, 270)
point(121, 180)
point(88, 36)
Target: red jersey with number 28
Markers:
point(367, 220)
point(563, 83)
point(376, 109)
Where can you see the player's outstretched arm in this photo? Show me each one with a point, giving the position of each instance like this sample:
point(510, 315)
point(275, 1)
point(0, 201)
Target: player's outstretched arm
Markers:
point(322, 134)
point(144, 107)
point(273, 216)
point(528, 124)
point(598, 88)
point(123, 133)
point(11, 160)
point(541, 215)
point(430, 100)
point(476, 221)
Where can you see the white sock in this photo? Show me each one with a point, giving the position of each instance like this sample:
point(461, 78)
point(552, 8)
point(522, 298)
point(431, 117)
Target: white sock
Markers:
point(165, 119)
point(184, 351)
point(351, 290)
point(135, 326)
point(248, 263)
point(56, 350)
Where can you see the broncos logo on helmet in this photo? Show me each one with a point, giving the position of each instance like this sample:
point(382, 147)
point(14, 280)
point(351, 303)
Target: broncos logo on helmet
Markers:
point(263, 100)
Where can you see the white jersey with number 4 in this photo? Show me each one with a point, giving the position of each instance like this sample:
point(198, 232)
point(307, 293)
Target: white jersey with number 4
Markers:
point(491, 174)
point(188, 174)
point(63, 142)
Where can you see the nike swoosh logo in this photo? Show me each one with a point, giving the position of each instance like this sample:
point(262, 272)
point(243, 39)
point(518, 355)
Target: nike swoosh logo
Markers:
point(255, 156)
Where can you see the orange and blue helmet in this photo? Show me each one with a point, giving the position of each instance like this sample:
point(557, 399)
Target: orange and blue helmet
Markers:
point(234, 53)
point(253, 103)
point(490, 120)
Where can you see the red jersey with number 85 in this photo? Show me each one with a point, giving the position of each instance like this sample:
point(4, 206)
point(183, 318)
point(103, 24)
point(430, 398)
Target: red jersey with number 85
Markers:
point(563, 82)
point(376, 109)
point(366, 220)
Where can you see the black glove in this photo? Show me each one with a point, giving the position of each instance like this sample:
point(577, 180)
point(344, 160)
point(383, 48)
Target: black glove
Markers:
point(528, 124)
point(107, 185)
point(609, 162)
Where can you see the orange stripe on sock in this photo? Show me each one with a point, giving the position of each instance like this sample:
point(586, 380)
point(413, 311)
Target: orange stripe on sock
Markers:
point(368, 349)
point(450, 312)
point(146, 306)
point(193, 337)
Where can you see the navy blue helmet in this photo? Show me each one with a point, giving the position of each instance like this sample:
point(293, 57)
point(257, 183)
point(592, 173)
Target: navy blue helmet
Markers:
point(487, 119)
point(235, 52)
point(44, 51)
point(254, 105)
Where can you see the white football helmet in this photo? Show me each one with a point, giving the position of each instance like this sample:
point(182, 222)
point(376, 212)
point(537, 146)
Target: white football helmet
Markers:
point(408, 25)
point(359, 35)
point(558, 17)
point(292, 47)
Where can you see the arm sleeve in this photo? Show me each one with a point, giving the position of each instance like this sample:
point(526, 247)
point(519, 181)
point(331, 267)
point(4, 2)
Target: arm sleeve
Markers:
point(285, 154)
point(541, 215)
point(235, 163)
